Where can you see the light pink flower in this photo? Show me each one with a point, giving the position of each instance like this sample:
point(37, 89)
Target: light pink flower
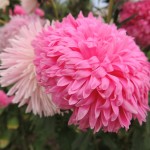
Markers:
point(17, 69)
point(12, 28)
point(95, 70)
point(29, 5)
point(4, 99)
point(139, 25)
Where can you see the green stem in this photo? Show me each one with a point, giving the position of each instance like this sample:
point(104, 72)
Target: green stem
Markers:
point(55, 8)
point(110, 10)
point(95, 143)
point(22, 131)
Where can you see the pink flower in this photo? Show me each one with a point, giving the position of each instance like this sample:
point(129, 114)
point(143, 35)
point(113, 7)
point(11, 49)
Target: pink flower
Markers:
point(39, 12)
point(139, 25)
point(18, 10)
point(4, 100)
point(12, 28)
point(29, 5)
point(95, 70)
point(17, 69)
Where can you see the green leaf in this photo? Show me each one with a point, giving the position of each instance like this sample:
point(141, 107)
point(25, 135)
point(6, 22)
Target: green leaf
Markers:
point(82, 141)
point(4, 139)
point(141, 137)
point(13, 123)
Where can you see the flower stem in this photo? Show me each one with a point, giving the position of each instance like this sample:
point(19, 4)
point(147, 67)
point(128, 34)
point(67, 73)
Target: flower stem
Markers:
point(55, 8)
point(110, 10)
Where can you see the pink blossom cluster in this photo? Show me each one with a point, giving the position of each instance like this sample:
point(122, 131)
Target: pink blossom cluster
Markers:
point(95, 70)
point(19, 10)
point(20, 16)
point(28, 7)
point(139, 24)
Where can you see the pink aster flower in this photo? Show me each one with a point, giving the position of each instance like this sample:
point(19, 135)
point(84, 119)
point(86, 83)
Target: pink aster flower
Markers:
point(4, 99)
point(95, 70)
point(139, 25)
point(17, 69)
point(12, 28)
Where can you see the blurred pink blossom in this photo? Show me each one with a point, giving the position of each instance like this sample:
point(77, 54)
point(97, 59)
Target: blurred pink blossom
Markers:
point(18, 10)
point(4, 99)
point(139, 25)
point(29, 5)
point(39, 12)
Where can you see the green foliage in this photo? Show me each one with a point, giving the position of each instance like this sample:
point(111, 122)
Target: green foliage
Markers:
point(20, 131)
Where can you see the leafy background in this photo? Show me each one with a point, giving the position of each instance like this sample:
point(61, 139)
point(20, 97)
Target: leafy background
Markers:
point(21, 131)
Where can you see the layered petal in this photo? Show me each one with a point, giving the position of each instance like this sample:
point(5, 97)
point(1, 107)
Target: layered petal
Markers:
point(18, 71)
point(94, 69)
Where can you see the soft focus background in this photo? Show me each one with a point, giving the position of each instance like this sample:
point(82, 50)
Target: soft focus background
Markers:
point(21, 131)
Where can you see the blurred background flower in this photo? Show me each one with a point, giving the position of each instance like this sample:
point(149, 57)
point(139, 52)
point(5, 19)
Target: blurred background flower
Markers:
point(138, 24)
point(4, 99)
point(29, 5)
point(4, 4)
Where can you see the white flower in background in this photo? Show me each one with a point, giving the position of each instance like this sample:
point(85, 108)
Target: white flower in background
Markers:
point(99, 3)
point(29, 5)
point(4, 4)
point(100, 7)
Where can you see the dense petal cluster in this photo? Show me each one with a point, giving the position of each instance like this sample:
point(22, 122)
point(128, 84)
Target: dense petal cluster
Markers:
point(95, 70)
point(139, 24)
point(4, 99)
point(18, 71)
point(12, 28)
